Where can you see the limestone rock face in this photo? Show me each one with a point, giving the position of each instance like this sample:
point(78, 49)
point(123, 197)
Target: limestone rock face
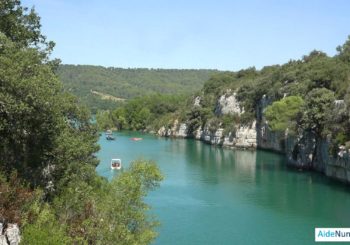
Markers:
point(229, 140)
point(246, 136)
point(161, 131)
point(3, 240)
point(216, 138)
point(176, 130)
point(302, 151)
point(228, 104)
point(206, 135)
point(10, 235)
point(267, 139)
point(198, 133)
point(197, 101)
point(182, 131)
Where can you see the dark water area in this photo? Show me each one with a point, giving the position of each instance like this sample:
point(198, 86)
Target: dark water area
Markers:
point(212, 195)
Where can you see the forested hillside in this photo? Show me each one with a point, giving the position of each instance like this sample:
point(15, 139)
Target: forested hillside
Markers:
point(82, 80)
point(304, 96)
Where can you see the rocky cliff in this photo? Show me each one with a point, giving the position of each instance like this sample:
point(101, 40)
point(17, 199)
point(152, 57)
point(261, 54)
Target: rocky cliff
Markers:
point(244, 136)
point(302, 151)
point(228, 104)
point(9, 234)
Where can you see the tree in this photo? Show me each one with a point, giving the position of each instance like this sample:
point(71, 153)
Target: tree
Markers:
point(48, 141)
point(39, 122)
point(119, 118)
point(317, 111)
point(44, 229)
point(284, 113)
point(22, 27)
point(104, 120)
point(116, 209)
point(344, 51)
point(19, 24)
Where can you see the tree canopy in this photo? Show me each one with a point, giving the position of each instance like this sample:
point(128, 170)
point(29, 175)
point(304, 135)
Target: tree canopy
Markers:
point(48, 182)
point(81, 80)
point(283, 114)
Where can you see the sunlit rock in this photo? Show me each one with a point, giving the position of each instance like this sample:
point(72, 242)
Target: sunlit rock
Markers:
point(228, 104)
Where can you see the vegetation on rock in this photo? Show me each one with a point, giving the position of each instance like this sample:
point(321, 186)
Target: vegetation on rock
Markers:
point(309, 94)
point(284, 113)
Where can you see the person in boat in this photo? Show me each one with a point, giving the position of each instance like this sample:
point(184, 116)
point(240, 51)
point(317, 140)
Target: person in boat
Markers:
point(114, 164)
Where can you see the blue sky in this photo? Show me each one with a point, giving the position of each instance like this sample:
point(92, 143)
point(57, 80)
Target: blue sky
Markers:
point(217, 34)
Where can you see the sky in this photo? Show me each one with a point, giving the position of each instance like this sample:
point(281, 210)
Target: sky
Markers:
point(191, 34)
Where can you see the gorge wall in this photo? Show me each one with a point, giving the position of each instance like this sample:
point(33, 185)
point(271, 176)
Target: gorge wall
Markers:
point(302, 151)
point(9, 234)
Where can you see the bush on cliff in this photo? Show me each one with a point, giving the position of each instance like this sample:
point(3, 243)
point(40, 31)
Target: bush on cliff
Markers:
point(284, 113)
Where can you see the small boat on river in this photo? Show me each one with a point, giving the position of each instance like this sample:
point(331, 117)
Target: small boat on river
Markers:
point(110, 137)
point(116, 164)
point(136, 139)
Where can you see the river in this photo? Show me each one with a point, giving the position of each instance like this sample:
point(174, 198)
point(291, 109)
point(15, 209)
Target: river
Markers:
point(212, 195)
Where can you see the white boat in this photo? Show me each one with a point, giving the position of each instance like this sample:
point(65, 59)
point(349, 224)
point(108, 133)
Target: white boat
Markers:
point(116, 164)
point(110, 137)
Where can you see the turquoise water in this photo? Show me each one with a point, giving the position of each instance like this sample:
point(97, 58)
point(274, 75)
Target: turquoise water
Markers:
point(212, 195)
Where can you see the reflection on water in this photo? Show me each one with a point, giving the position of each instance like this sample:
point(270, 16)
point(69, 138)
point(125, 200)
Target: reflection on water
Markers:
point(233, 192)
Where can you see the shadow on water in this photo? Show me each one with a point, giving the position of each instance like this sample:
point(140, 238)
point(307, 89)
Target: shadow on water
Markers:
point(272, 184)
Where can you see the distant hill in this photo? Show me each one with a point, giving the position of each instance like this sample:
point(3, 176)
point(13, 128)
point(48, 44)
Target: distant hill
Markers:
point(92, 83)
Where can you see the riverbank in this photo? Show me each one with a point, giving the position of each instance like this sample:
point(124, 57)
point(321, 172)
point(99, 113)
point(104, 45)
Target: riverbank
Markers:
point(303, 151)
point(231, 191)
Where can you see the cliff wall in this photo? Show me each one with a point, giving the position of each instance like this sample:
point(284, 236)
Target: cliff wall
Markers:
point(303, 151)
point(9, 235)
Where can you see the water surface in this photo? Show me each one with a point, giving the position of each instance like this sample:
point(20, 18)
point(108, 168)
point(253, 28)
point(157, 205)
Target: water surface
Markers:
point(212, 195)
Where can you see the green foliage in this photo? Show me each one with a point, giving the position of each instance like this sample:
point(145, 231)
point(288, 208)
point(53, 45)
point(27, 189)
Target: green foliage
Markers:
point(48, 182)
point(45, 229)
point(341, 138)
point(137, 116)
point(142, 112)
point(197, 117)
point(22, 26)
point(37, 118)
point(229, 119)
point(127, 83)
point(104, 120)
point(311, 84)
point(95, 103)
point(118, 117)
point(344, 51)
point(229, 123)
point(214, 124)
point(100, 212)
point(284, 113)
point(247, 118)
point(220, 82)
point(217, 82)
point(15, 197)
point(317, 111)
